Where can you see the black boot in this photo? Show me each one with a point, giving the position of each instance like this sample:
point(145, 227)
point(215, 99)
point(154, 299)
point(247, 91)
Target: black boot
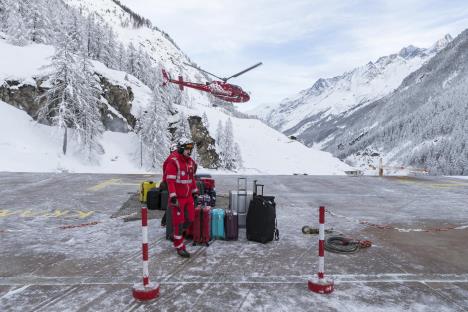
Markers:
point(183, 253)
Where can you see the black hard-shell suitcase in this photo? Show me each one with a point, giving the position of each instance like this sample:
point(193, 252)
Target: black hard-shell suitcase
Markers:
point(164, 198)
point(153, 199)
point(261, 218)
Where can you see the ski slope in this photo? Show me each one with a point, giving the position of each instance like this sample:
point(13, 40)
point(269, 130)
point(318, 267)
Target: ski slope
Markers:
point(264, 150)
point(30, 147)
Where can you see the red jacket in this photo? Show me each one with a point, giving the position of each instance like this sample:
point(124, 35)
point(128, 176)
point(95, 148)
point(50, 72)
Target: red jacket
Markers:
point(165, 164)
point(179, 173)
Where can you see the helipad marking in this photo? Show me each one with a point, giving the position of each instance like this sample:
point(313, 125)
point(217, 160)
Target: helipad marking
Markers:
point(104, 184)
point(56, 213)
point(107, 183)
point(426, 183)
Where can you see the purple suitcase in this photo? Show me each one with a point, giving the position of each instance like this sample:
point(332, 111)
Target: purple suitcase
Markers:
point(231, 225)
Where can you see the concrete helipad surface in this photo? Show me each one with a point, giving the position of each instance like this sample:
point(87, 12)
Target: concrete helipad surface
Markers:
point(61, 251)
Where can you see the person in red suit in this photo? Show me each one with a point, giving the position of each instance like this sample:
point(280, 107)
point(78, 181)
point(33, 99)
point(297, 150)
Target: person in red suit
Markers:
point(163, 185)
point(179, 172)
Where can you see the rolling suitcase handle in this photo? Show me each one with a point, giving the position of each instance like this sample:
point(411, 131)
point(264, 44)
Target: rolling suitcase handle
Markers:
point(244, 192)
point(238, 184)
point(256, 185)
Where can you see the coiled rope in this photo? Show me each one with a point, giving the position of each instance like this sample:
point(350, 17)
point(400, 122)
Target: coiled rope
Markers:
point(344, 245)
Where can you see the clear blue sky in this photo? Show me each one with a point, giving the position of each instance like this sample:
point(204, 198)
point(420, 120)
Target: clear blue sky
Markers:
point(298, 41)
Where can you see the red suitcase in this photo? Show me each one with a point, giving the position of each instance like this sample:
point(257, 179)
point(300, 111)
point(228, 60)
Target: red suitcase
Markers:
point(209, 183)
point(201, 225)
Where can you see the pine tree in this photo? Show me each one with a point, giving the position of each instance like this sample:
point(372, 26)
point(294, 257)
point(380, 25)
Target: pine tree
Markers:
point(37, 22)
point(238, 156)
point(142, 66)
point(89, 122)
point(205, 121)
point(98, 40)
point(56, 13)
point(16, 27)
point(228, 152)
point(221, 144)
point(76, 33)
point(153, 132)
point(131, 59)
point(219, 134)
point(61, 107)
point(121, 61)
point(182, 129)
point(91, 44)
point(109, 49)
point(4, 4)
point(71, 102)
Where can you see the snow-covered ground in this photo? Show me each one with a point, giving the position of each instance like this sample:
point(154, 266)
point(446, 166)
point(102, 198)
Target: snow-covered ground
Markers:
point(30, 147)
point(62, 251)
point(23, 63)
point(267, 151)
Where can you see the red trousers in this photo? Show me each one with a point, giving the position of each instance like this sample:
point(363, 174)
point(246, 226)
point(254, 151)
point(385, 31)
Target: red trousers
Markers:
point(182, 217)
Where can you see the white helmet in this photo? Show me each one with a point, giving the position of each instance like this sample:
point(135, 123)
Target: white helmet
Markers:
point(184, 144)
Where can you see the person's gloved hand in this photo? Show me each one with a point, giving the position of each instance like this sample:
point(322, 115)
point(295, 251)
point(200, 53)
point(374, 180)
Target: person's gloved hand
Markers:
point(174, 201)
point(195, 198)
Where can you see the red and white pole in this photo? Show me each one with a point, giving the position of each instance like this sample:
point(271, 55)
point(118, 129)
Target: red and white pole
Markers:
point(148, 290)
point(321, 285)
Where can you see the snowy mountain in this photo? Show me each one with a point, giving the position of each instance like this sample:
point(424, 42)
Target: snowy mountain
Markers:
point(307, 115)
point(423, 123)
point(142, 35)
point(103, 42)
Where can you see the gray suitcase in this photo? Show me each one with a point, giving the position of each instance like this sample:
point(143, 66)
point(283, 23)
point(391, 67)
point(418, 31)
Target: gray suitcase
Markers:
point(239, 201)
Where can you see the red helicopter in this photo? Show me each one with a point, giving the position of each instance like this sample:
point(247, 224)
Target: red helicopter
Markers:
point(220, 89)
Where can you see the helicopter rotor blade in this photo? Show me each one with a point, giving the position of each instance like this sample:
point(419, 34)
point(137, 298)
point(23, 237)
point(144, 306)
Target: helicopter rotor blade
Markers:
point(242, 72)
point(202, 70)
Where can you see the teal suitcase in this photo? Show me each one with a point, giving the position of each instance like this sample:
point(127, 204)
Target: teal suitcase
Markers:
point(217, 223)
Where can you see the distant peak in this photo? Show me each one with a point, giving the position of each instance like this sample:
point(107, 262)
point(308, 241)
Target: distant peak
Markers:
point(410, 51)
point(441, 43)
point(320, 84)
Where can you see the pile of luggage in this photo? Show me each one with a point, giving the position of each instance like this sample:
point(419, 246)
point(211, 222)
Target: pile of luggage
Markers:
point(154, 194)
point(251, 210)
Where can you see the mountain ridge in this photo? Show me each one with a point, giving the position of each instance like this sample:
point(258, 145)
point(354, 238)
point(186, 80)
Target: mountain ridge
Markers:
point(354, 88)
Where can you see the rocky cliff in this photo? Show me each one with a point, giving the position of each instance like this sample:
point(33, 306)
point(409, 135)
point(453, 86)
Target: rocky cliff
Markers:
point(115, 111)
